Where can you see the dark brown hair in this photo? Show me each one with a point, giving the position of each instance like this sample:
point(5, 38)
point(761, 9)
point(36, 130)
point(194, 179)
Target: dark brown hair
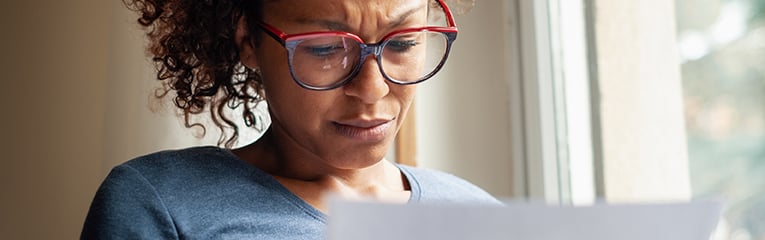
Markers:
point(193, 46)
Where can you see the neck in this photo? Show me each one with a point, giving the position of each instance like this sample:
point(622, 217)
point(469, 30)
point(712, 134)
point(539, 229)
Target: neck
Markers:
point(310, 176)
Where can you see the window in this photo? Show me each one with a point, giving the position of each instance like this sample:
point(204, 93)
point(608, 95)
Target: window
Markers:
point(613, 98)
point(722, 46)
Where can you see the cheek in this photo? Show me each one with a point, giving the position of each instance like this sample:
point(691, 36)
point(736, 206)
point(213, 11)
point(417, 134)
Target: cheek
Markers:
point(290, 104)
point(404, 90)
point(277, 81)
point(404, 95)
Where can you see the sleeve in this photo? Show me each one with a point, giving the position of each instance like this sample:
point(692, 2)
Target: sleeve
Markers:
point(127, 206)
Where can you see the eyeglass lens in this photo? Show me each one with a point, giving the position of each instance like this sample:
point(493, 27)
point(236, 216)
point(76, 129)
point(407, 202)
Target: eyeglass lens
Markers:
point(406, 57)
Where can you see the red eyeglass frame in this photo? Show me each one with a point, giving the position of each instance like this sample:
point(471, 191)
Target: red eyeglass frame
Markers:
point(290, 42)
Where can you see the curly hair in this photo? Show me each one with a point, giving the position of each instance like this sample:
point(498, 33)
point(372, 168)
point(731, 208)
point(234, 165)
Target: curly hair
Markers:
point(195, 52)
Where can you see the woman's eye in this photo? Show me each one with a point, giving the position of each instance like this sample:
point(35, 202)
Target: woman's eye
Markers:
point(323, 50)
point(401, 45)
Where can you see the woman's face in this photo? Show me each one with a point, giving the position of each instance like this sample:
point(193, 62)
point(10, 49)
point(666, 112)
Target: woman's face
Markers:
point(352, 126)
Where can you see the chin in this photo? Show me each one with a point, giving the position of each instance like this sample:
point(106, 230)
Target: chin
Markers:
point(360, 157)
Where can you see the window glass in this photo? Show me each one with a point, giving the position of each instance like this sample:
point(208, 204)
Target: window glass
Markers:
point(722, 48)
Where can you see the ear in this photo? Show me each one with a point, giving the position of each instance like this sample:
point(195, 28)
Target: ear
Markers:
point(245, 44)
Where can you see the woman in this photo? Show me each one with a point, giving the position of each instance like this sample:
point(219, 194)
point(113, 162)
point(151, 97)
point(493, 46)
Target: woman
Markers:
point(338, 77)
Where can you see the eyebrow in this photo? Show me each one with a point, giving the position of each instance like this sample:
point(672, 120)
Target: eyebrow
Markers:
point(342, 26)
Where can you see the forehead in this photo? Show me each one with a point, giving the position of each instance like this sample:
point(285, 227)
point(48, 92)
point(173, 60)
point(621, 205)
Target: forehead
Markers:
point(348, 11)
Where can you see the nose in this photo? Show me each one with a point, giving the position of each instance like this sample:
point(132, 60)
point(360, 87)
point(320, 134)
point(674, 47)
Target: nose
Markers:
point(369, 85)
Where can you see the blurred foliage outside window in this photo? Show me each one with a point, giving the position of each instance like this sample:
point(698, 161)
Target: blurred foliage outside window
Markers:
point(722, 49)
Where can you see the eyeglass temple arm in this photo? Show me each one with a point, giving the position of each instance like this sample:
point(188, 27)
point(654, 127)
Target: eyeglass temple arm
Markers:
point(273, 32)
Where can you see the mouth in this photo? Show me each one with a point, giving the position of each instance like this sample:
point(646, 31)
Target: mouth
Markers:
point(373, 130)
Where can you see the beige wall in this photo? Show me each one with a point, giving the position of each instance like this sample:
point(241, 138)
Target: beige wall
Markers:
point(643, 133)
point(54, 58)
point(75, 91)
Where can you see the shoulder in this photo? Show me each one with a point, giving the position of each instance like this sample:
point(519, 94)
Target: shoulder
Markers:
point(174, 168)
point(184, 159)
point(184, 173)
point(139, 191)
point(178, 192)
point(438, 186)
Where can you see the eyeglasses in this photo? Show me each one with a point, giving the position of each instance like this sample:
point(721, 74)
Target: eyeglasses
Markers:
point(328, 60)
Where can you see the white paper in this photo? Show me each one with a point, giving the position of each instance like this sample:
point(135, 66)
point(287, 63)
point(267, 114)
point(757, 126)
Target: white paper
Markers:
point(373, 221)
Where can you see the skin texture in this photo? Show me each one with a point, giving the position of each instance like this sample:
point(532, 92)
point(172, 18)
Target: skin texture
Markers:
point(331, 141)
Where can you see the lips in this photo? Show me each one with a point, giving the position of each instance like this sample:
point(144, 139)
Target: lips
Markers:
point(364, 130)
